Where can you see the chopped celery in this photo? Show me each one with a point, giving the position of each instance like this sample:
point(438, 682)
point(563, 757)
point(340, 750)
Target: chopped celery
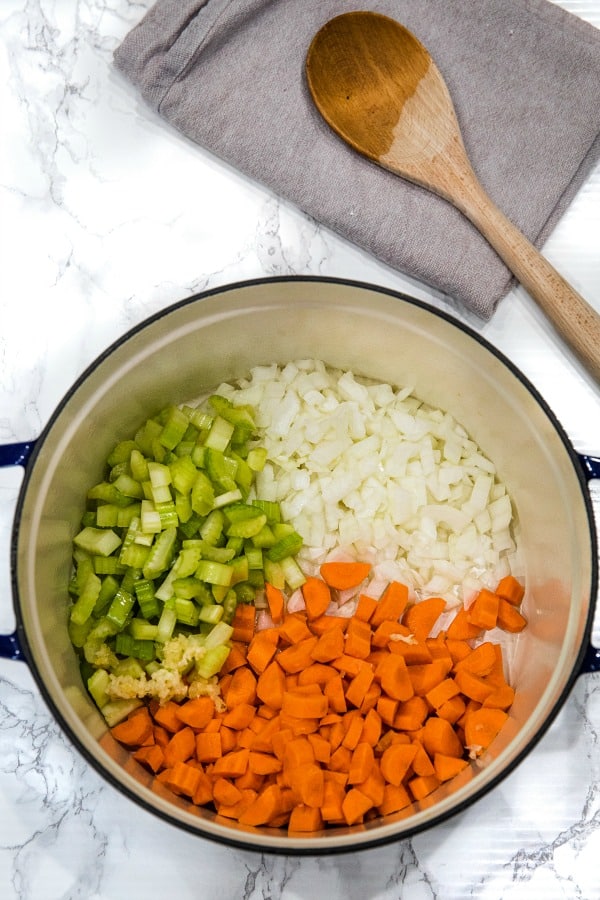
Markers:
point(120, 607)
point(139, 466)
point(224, 499)
point(78, 633)
point(203, 494)
point(211, 614)
point(116, 711)
point(97, 541)
point(220, 634)
point(167, 514)
point(97, 685)
point(230, 602)
point(128, 486)
point(212, 527)
point(219, 435)
point(285, 546)
point(127, 645)
point(161, 553)
point(292, 573)
point(85, 603)
point(183, 474)
point(212, 661)
point(166, 623)
point(257, 458)
point(248, 527)
point(254, 557)
point(107, 515)
point(108, 589)
point(150, 518)
point(121, 453)
point(108, 565)
point(174, 428)
point(146, 598)
point(142, 630)
point(265, 537)
point(188, 613)
point(214, 572)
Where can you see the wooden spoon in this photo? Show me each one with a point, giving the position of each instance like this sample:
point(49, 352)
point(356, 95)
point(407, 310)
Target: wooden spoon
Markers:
point(376, 85)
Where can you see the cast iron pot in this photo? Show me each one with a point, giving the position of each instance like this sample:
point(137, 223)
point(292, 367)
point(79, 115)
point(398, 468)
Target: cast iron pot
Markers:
point(219, 335)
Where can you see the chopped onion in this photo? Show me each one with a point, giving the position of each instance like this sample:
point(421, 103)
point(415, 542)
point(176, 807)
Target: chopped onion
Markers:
point(368, 471)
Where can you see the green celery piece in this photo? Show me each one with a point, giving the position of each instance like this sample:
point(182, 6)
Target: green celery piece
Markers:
point(149, 518)
point(201, 419)
point(121, 453)
point(108, 493)
point(245, 591)
point(265, 538)
point(160, 474)
point(127, 513)
point(174, 428)
point(210, 614)
point(126, 645)
point(135, 555)
point(247, 528)
point(107, 515)
point(219, 635)
point(141, 630)
point(198, 456)
point(129, 666)
point(239, 512)
point(244, 476)
point(240, 570)
point(79, 633)
point(220, 433)
point(138, 465)
point(108, 589)
point(257, 458)
point(212, 527)
point(146, 598)
point(217, 554)
point(102, 630)
point(203, 494)
point(289, 545)
point(214, 572)
point(212, 661)
point(116, 711)
point(131, 576)
point(166, 623)
point(271, 509)
point(117, 470)
point(146, 435)
point(167, 513)
point(183, 507)
point(254, 557)
point(161, 553)
point(292, 573)
point(223, 500)
point(120, 607)
point(188, 559)
point(88, 518)
point(97, 541)
point(108, 565)
point(192, 589)
point(230, 602)
point(237, 415)
point(84, 605)
point(97, 685)
point(274, 573)
point(129, 487)
point(183, 474)
point(219, 592)
point(187, 612)
point(236, 544)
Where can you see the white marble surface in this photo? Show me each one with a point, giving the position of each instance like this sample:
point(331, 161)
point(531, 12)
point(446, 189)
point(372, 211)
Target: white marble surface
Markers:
point(107, 216)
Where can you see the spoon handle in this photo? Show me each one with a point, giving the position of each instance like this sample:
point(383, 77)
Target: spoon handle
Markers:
point(575, 320)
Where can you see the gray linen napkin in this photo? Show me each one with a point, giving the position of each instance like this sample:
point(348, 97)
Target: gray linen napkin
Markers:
point(524, 77)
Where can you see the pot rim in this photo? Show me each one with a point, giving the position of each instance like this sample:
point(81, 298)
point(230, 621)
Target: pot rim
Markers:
point(318, 845)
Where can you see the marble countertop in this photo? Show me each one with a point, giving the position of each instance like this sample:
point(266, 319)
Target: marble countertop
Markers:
point(108, 216)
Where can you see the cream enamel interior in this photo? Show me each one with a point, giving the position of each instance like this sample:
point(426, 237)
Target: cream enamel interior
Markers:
point(200, 343)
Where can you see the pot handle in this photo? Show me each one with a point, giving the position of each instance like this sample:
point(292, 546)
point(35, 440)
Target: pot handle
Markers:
point(591, 660)
point(13, 455)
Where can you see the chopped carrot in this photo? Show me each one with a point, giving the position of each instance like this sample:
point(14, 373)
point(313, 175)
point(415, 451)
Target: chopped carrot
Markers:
point(135, 730)
point(331, 721)
point(243, 623)
point(317, 597)
point(510, 589)
point(344, 575)
point(509, 618)
point(483, 612)
point(392, 604)
point(421, 617)
point(275, 602)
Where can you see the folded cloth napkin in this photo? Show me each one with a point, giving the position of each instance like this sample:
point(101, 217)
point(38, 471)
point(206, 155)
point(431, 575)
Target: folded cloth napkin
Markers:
point(524, 77)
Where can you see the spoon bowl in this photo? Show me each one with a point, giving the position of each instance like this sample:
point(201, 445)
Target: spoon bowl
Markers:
point(378, 88)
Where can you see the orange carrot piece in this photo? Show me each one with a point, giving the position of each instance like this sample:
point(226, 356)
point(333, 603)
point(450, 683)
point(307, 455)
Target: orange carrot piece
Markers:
point(502, 697)
point(239, 808)
point(317, 597)
point(361, 763)
point(422, 616)
point(151, 756)
point(446, 767)
point(181, 746)
point(263, 763)
point(298, 656)
point(442, 692)
point(135, 730)
point(480, 661)
point(359, 685)
point(344, 575)
point(472, 686)
point(197, 712)
point(391, 605)
point(395, 762)
point(355, 805)
point(353, 731)
point(457, 649)
point(395, 798)
point(452, 709)
point(340, 760)
point(411, 714)
point(280, 740)
point(371, 730)
point(240, 716)
point(317, 673)
point(427, 676)
point(415, 654)
point(365, 608)
point(329, 646)
point(294, 628)
point(241, 688)
point(509, 618)
point(422, 785)
point(483, 612)
point(334, 691)
point(235, 659)
point(393, 673)
point(166, 715)
point(298, 752)
point(387, 631)
point(270, 685)
point(305, 706)
point(225, 793)
point(184, 779)
point(275, 602)
point(461, 629)
point(333, 797)
point(325, 623)
point(440, 737)
point(387, 708)
point(422, 763)
point(510, 589)
point(266, 805)
point(243, 623)
point(321, 748)
point(308, 781)
point(372, 695)
point(232, 764)
point(262, 649)
point(481, 727)
point(305, 819)
point(208, 747)
point(229, 739)
point(358, 639)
